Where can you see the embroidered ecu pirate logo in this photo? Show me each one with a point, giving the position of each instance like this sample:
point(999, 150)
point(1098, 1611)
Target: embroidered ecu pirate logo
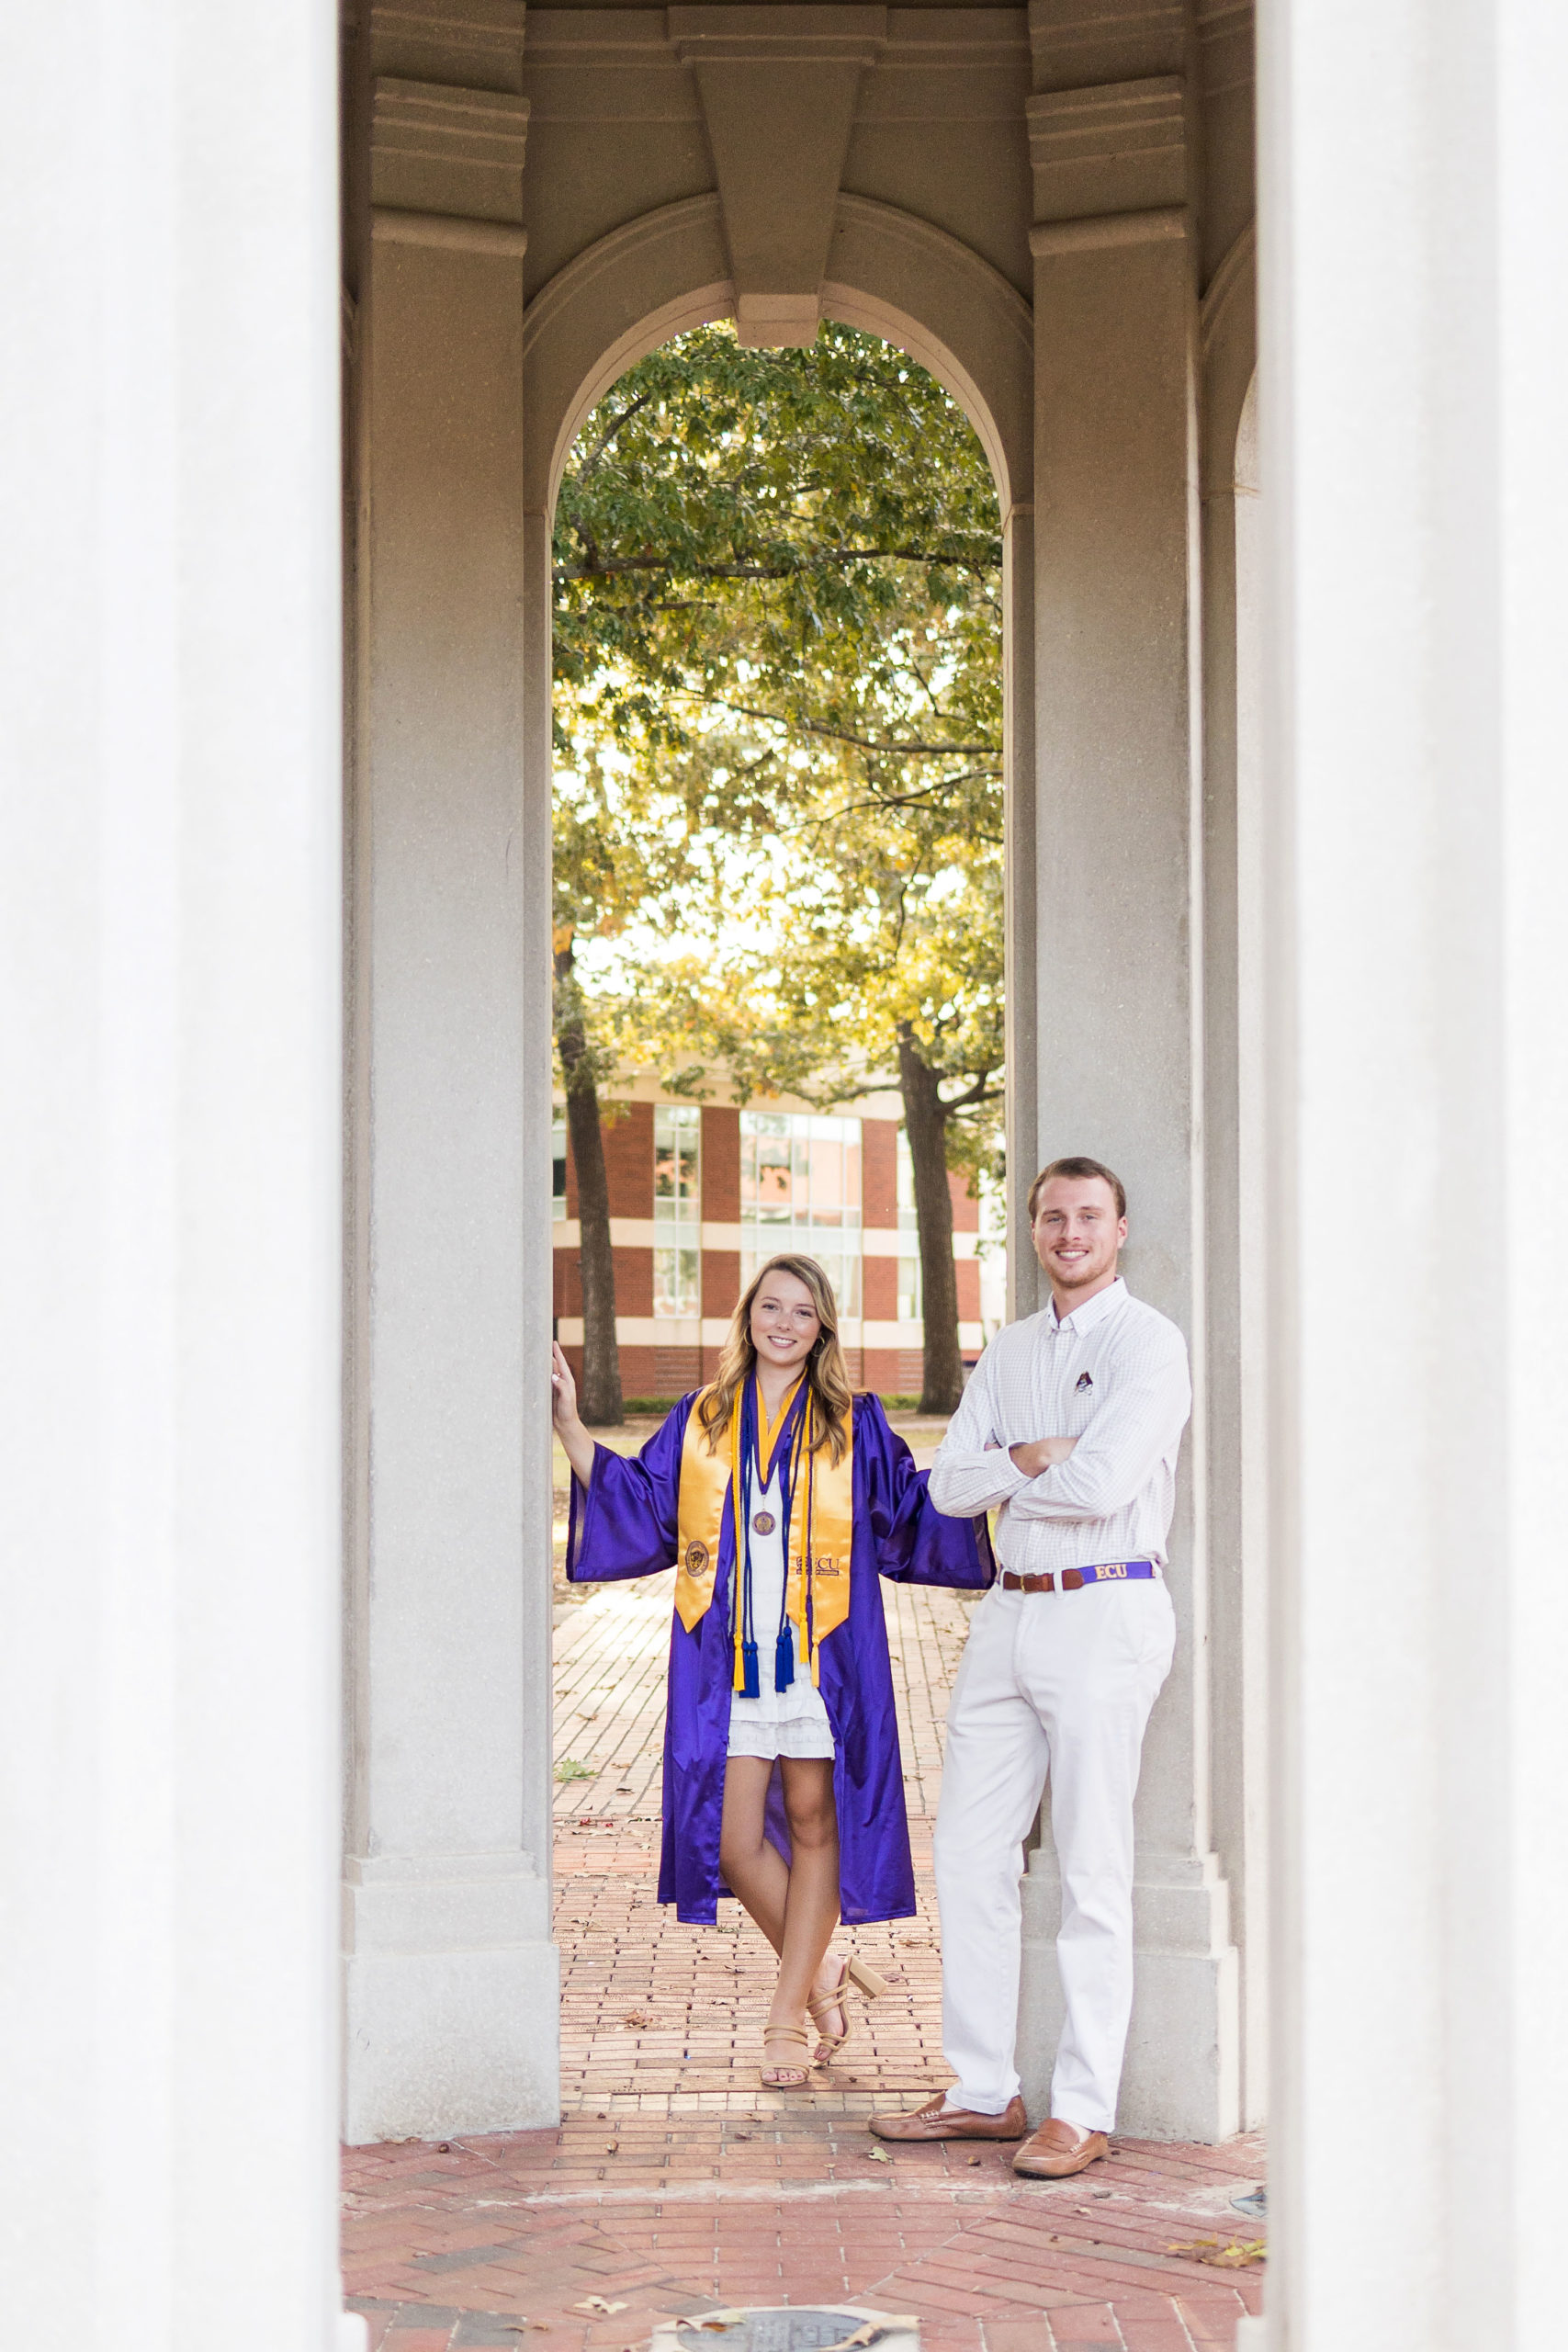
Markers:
point(1084, 1381)
point(696, 1559)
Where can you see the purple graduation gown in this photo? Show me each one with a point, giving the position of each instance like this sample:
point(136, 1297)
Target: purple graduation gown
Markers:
point(625, 1526)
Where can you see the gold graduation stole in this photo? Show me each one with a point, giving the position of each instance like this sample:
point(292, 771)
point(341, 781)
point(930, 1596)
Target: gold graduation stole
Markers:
point(821, 1526)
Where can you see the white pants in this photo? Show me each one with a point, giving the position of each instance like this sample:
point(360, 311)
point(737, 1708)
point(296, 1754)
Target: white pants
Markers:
point(1060, 1682)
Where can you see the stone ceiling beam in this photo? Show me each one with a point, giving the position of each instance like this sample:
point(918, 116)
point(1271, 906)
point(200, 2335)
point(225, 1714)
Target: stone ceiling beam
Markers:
point(778, 89)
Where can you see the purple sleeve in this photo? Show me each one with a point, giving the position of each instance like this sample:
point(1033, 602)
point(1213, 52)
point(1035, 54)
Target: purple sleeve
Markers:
point(626, 1523)
point(916, 1543)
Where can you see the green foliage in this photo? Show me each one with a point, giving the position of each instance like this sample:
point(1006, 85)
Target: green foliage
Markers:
point(778, 712)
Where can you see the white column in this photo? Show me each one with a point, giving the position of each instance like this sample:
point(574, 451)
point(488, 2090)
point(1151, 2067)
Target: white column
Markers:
point(452, 1980)
point(170, 1180)
point(1416, 494)
point(1119, 995)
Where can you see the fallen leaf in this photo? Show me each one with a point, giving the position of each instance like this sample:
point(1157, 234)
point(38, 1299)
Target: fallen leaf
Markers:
point(974, 2160)
point(612, 2147)
point(601, 2309)
point(879, 2156)
point(1239, 2254)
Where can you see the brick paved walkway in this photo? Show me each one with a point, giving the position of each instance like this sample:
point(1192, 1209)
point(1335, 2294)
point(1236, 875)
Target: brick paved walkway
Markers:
point(676, 2184)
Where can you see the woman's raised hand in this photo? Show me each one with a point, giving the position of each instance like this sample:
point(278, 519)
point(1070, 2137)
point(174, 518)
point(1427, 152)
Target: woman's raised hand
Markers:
point(576, 1443)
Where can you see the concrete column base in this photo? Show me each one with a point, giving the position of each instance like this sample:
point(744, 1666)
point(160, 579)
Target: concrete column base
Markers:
point(452, 1998)
point(1182, 2075)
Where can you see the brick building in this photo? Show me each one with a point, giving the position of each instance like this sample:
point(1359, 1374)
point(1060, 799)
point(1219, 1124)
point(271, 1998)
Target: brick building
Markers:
point(703, 1194)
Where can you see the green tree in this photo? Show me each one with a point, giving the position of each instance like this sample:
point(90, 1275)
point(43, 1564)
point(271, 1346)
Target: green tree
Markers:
point(777, 582)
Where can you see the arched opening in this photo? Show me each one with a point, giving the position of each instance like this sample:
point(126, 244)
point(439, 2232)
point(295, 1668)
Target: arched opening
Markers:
point(698, 1183)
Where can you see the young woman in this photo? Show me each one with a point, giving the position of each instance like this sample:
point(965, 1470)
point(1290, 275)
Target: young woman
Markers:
point(780, 1497)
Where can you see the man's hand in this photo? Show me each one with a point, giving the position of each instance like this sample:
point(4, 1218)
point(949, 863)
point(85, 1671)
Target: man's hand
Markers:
point(1040, 1453)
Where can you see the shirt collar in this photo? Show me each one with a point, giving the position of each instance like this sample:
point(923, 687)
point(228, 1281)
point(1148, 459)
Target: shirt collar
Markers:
point(1093, 1310)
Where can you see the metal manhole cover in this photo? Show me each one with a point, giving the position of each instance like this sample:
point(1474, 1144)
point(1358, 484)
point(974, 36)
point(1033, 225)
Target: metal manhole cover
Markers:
point(778, 2328)
point(781, 2331)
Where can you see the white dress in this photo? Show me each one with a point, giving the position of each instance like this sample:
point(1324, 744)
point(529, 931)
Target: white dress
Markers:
point(777, 1722)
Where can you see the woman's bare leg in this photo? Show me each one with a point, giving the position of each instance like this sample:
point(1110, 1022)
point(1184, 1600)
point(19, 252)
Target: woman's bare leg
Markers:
point(811, 1913)
point(754, 1869)
point(796, 1906)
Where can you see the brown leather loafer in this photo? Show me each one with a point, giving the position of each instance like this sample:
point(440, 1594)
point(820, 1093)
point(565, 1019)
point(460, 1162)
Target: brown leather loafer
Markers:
point(1058, 2150)
point(937, 2120)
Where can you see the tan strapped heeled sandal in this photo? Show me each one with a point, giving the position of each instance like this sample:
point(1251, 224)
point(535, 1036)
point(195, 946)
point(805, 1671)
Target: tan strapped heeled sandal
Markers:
point(786, 2078)
point(867, 1984)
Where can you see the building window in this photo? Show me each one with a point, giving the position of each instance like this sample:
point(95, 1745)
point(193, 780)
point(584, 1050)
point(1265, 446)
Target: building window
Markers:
point(677, 1209)
point(558, 1171)
point(909, 1290)
point(800, 1190)
point(907, 1217)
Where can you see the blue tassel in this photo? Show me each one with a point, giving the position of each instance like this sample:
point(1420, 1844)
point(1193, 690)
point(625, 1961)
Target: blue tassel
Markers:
point(752, 1686)
point(784, 1661)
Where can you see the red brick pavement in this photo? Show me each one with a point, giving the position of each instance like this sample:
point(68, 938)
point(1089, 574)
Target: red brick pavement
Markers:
point(502, 2236)
point(676, 2184)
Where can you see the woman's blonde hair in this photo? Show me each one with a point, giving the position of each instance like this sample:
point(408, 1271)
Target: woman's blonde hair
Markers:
point(827, 1379)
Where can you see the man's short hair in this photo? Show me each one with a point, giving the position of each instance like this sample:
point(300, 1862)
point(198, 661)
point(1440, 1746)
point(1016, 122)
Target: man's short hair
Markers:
point(1080, 1169)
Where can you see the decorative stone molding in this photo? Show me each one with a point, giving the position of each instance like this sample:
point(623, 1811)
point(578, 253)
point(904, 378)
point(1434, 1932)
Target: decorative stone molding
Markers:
point(1116, 148)
point(778, 88)
point(473, 44)
point(496, 237)
point(1158, 227)
point(452, 152)
point(1078, 44)
point(789, 35)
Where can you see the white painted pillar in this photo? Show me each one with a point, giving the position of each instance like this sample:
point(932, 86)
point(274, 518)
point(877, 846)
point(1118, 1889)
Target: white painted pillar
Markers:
point(452, 1981)
point(1414, 474)
point(169, 1185)
point(1119, 907)
point(1118, 989)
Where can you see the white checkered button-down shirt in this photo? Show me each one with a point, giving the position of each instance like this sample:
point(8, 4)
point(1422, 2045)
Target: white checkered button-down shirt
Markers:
point(1113, 1374)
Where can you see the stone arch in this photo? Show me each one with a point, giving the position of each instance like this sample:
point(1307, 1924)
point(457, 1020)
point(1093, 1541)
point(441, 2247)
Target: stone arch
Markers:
point(656, 276)
point(889, 273)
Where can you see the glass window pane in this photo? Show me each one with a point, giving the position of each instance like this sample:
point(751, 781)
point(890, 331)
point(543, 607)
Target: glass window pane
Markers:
point(775, 1187)
point(676, 1281)
point(905, 1185)
point(909, 1290)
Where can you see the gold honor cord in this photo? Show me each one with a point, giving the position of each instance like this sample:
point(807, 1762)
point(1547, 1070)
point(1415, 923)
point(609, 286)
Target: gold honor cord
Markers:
point(822, 1528)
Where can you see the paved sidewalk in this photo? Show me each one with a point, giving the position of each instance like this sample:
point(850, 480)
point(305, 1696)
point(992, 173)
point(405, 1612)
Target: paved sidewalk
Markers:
point(677, 2185)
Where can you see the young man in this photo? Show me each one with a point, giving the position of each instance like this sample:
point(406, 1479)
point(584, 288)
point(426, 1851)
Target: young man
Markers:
point(1069, 1429)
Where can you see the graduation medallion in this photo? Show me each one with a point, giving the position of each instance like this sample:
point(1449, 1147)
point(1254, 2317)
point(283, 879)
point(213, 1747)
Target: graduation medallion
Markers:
point(763, 1523)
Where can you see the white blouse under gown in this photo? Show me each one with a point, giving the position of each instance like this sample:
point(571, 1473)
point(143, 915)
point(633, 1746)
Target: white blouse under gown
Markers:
point(777, 1722)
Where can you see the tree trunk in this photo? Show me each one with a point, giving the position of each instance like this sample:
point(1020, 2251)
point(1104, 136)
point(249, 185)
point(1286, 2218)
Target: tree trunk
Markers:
point(925, 1123)
point(599, 1390)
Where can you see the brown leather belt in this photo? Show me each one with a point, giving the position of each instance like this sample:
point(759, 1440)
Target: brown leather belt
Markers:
point(1075, 1580)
